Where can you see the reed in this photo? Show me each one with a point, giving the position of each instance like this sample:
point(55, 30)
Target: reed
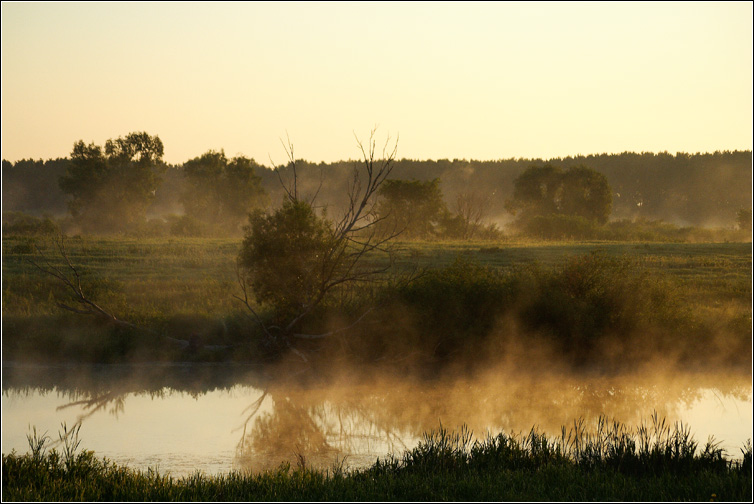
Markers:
point(653, 462)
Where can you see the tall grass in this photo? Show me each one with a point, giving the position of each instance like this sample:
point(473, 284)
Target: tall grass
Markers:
point(652, 462)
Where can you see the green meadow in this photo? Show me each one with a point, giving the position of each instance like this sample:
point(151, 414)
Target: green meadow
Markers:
point(183, 286)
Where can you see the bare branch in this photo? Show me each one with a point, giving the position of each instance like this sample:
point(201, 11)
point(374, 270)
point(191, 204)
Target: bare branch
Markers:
point(72, 281)
point(292, 193)
point(337, 331)
point(74, 285)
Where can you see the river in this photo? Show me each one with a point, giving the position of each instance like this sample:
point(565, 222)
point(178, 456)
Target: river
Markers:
point(214, 418)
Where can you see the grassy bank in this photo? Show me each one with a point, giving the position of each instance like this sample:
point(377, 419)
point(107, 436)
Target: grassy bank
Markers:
point(654, 462)
point(184, 288)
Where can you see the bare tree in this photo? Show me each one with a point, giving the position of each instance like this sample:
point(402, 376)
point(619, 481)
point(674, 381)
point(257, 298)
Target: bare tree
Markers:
point(473, 207)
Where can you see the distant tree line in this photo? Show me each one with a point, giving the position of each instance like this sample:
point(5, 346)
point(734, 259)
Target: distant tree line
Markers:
point(126, 182)
point(704, 189)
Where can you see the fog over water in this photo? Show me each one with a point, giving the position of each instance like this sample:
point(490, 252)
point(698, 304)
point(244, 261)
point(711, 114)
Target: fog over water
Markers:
point(213, 420)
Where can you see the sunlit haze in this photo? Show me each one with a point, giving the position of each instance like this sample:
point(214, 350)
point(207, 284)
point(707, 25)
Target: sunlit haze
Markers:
point(453, 80)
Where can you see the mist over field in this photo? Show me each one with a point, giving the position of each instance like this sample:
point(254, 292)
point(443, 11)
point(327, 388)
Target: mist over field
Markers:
point(531, 280)
point(365, 307)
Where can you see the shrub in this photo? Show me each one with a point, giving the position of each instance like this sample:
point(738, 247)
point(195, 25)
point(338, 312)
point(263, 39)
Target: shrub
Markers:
point(20, 223)
point(593, 309)
point(452, 308)
point(595, 297)
point(560, 226)
point(285, 257)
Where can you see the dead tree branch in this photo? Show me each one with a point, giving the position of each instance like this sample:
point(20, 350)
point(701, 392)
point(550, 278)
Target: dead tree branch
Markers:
point(70, 277)
point(72, 280)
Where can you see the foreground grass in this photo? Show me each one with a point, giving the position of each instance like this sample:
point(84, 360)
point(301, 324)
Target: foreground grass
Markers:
point(655, 463)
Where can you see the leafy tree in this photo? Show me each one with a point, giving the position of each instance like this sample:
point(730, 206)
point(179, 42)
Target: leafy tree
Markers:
point(702, 189)
point(537, 191)
point(586, 193)
point(221, 192)
point(548, 190)
point(286, 253)
point(294, 260)
point(412, 207)
point(112, 189)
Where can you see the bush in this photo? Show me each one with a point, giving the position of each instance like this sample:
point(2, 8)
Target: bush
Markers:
point(285, 257)
point(594, 309)
point(594, 298)
point(20, 223)
point(442, 315)
point(186, 225)
point(560, 226)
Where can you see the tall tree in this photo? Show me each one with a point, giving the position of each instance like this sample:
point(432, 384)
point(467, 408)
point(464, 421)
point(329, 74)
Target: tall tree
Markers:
point(412, 207)
point(112, 189)
point(586, 193)
point(547, 190)
point(221, 193)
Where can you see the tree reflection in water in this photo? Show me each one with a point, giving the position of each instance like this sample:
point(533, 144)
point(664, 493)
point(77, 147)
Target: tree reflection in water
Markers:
point(356, 422)
point(307, 427)
point(323, 426)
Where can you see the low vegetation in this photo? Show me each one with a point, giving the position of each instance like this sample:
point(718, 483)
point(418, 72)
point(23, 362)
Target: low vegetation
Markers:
point(654, 462)
point(327, 286)
point(444, 303)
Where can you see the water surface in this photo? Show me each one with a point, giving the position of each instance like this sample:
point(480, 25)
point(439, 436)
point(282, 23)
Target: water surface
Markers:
point(216, 418)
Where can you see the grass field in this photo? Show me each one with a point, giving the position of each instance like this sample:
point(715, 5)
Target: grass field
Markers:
point(188, 285)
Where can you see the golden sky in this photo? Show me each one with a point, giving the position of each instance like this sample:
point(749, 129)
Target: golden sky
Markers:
point(454, 80)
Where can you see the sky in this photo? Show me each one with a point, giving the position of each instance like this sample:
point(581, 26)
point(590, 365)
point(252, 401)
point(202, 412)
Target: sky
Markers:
point(450, 80)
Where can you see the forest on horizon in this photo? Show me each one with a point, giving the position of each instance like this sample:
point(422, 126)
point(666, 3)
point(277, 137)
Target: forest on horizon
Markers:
point(702, 189)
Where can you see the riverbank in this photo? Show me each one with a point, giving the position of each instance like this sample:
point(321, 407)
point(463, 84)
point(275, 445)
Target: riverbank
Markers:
point(651, 463)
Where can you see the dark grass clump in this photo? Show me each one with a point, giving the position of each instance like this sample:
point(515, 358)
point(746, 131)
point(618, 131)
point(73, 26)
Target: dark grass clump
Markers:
point(595, 305)
point(651, 450)
point(652, 463)
point(593, 310)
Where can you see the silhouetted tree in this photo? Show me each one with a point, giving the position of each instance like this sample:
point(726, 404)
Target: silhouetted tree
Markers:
point(220, 192)
point(294, 259)
point(412, 207)
point(548, 190)
point(586, 193)
point(702, 189)
point(537, 191)
point(284, 253)
point(112, 189)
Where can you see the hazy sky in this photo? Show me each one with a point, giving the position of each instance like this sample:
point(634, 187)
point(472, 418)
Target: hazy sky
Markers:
point(454, 80)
